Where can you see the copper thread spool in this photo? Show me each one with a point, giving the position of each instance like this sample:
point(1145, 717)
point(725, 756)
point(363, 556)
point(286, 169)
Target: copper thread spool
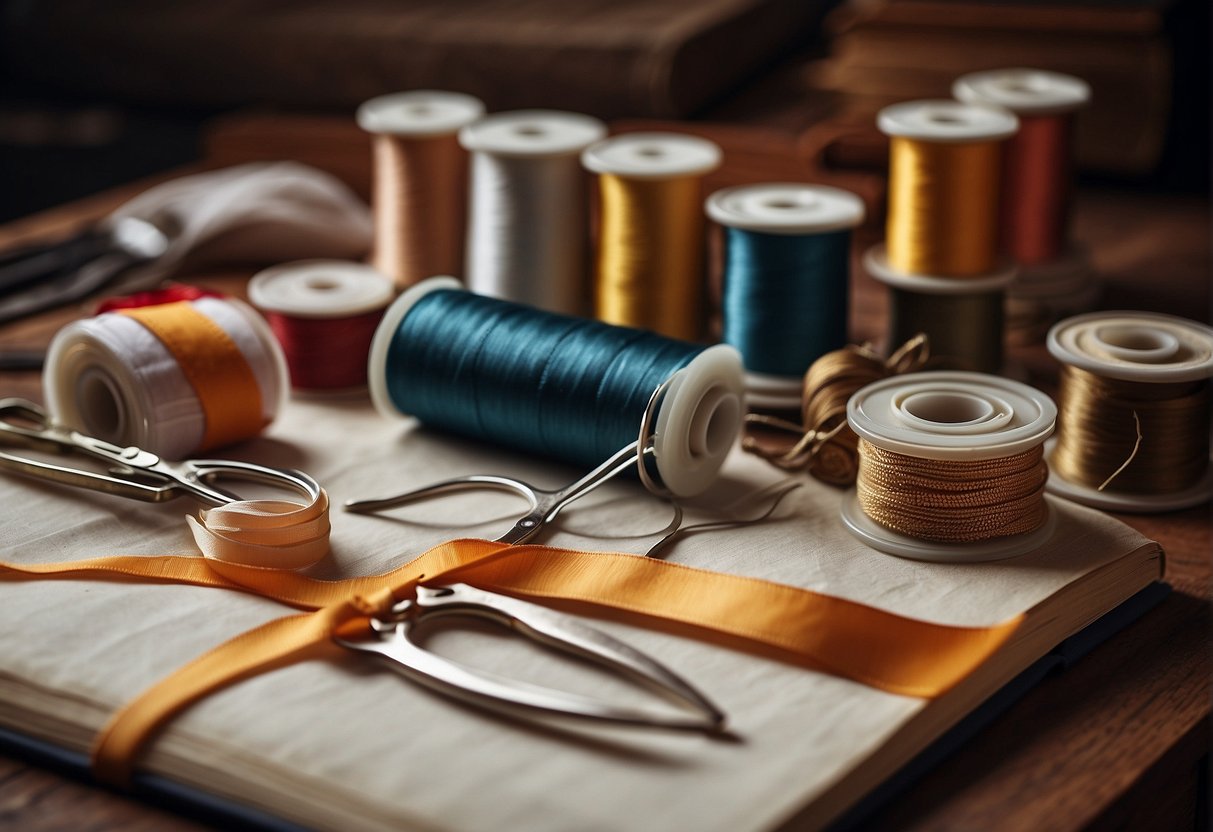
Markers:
point(1039, 163)
point(420, 182)
point(651, 242)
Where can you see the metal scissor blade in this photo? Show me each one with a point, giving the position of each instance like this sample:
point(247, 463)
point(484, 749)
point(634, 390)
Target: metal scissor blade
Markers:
point(566, 633)
point(500, 693)
point(393, 641)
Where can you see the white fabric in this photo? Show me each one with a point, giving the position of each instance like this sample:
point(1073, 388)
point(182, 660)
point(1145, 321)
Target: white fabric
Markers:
point(261, 212)
point(340, 742)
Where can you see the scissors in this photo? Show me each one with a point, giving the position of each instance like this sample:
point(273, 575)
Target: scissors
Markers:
point(131, 471)
point(544, 504)
point(391, 636)
point(134, 472)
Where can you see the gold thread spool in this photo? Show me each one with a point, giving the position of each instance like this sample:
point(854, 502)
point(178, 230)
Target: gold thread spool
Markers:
point(420, 181)
point(943, 206)
point(1135, 402)
point(945, 170)
point(941, 258)
point(950, 466)
point(651, 243)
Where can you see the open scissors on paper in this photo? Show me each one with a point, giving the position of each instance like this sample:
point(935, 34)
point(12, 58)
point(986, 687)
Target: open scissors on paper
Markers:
point(130, 471)
point(545, 504)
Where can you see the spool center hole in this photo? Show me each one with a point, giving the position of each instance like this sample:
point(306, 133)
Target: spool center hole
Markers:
point(650, 152)
point(321, 284)
point(531, 131)
point(100, 407)
point(420, 110)
point(1139, 340)
point(945, 118)
point(782, 204)
point(948, 408)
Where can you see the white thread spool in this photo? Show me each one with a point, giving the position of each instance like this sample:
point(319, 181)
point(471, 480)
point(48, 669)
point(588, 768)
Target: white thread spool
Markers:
point(1066, 284)
point(949, 416)
point(420, 183)
point(528, 231)
point(788, 209)
point(697, 425)
point(111, 378)
point(329, 358)
point(1145, 347)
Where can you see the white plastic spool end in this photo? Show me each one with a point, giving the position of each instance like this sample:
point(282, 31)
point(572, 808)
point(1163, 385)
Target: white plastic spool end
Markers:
point(532, 133)
point(321, 289)
point(419, 113)
point(786, 208)
point(876, 264)
point(1027, 92)
point(947, 121)
point(652, 156)
point(699, 420)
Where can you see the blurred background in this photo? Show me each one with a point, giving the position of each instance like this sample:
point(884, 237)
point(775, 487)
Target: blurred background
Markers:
point(93, 94)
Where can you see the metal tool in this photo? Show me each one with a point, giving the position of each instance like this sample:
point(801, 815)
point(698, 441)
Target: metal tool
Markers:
point(545, 505)
point(390, 636)
point(131, 472)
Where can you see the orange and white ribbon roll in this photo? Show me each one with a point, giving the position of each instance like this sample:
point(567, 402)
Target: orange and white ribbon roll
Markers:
point(174, 379)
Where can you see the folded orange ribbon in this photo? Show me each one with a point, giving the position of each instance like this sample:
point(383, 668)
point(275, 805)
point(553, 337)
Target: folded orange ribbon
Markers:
point(887, 651)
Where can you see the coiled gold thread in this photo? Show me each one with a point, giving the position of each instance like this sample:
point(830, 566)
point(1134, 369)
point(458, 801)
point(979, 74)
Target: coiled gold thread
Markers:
point(826, 446)
point(1162, 430)
point(650, 255)
point(943, 207)
point(420, 197)
point(953, 501)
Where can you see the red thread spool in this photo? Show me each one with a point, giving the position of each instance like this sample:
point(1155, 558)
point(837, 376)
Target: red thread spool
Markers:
point(1038, 162)
point(324, 314)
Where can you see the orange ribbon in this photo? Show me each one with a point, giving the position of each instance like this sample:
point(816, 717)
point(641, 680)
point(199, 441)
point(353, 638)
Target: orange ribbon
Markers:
point(887, 651)
point(214, 366)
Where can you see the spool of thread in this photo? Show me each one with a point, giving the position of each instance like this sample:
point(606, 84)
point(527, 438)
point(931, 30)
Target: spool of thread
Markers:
point(528, 236)
point(323, 314)
point(174, 379)
point(941, 258)
point(561, 387)
point(420, 184)
point(650, 265)
point(1055, 275)
point(951, 467)
point(786, 280)
point(1133, 431)
point(1039, 160)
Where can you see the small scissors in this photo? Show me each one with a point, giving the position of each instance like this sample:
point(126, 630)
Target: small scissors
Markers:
point(390, 636)
point(545, 505)
point(133, 472)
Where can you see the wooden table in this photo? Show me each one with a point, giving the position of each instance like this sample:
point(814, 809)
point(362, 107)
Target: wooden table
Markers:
point(1120, 741)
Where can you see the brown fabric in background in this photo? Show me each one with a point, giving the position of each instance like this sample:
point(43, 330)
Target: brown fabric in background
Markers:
point(604, 57)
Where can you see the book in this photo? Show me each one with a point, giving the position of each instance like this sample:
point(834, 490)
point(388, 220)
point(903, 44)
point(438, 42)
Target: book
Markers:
point(339, 742)
point(603, 57)
point(886, 51)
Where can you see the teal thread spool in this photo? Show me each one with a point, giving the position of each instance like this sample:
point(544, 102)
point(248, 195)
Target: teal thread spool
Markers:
point(786, 280)
point(566, 388)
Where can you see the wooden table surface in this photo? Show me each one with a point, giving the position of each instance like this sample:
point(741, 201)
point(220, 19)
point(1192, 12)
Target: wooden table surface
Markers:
point(1120, 741)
